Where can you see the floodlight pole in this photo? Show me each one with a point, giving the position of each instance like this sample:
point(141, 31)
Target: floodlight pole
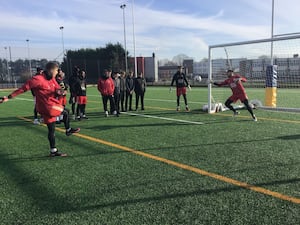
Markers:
point(28, 51)
point(134, 41)
point(123, 7)
point(7, 65)
point(62, 40)
point(272, 33)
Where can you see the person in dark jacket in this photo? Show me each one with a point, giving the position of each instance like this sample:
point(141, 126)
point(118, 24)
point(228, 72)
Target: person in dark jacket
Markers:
point(123, 90)
point(106, 87)
point(39, 71)
point(72, 81)
point(129, 91)
point(117, 82)
point(140, 90)
point(80, 92)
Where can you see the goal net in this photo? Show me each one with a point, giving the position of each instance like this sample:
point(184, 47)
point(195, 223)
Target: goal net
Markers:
point(252, 59)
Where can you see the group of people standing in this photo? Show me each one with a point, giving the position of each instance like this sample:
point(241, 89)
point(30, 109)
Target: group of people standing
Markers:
point(118, 89)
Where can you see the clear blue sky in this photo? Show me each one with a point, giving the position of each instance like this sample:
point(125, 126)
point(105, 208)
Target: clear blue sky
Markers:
point(162, 26)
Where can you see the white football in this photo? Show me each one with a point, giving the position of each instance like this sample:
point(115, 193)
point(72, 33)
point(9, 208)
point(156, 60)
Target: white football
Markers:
point(198, 79)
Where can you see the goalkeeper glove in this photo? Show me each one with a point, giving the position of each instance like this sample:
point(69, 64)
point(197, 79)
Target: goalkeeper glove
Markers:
point(189, 86)
point(3, 99)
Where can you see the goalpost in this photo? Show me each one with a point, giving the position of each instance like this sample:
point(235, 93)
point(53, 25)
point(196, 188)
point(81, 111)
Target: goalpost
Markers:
point(269, 86)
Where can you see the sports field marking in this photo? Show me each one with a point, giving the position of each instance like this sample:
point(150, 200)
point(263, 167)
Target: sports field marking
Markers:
point(24, 99)
point(186, 167)
point(215, 114)
point(161, 100)
point(160, 108)
point(173, 101)
point(164, 118)
point(262, 118)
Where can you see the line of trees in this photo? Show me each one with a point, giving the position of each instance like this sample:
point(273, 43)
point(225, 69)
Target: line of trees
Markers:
point(94, 61)
point(19, 69)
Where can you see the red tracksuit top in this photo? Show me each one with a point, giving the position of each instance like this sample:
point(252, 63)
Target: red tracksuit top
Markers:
point(45, 92)
point(106, 86)
point(236, 87)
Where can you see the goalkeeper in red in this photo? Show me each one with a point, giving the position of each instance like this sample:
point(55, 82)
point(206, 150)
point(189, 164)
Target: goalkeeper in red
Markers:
point(235, 82)
point(48, 104)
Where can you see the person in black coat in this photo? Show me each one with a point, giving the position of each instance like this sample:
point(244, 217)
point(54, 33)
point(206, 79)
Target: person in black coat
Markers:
point(122, 90)
point(72, 81)
point(140, 90)
point(129, 91)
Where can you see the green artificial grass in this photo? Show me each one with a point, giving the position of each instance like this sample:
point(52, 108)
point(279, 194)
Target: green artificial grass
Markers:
point(100, 184)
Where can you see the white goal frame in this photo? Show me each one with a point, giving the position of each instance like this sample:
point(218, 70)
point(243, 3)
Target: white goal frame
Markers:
point(210, 57)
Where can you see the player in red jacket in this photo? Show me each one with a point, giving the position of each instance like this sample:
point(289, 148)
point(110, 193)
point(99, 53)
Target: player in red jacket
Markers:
point(106, 87)
point(235, 82)
point(47, 92)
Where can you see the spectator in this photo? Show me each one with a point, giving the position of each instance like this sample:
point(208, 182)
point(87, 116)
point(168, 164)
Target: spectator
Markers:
point(80, 92)
point(39, 71)
point(117, 83)
point(122, 90)
point(72, 80)
point(140, 89)
point(106, 87)
point(129, 91)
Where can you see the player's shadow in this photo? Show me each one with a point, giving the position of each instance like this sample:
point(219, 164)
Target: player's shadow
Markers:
point(197, 193)
point(39, 192)
point(290, 137)
point(143, 125)
point(11, 121)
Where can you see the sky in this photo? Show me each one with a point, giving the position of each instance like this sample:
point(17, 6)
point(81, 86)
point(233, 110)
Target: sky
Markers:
point(166, 27)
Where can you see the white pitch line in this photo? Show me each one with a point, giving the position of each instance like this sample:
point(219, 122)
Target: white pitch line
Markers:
point(160, 100)
point(173, 101)
point(24, 99)
point(164, 118)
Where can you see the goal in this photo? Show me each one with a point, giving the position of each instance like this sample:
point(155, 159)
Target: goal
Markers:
point(276, 78)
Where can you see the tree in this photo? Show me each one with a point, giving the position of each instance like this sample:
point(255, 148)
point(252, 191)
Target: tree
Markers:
point(94, 61)
point(178, 59)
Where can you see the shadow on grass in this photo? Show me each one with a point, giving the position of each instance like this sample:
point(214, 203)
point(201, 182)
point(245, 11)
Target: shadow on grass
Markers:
point(290, 137)
point(164, 197)
point(39, 192)
point(49, 201)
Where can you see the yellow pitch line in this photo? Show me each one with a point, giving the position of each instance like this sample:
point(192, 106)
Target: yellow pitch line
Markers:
point(187, 167)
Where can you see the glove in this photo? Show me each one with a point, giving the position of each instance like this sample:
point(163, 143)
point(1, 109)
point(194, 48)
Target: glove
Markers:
point(237, 80)
point(3, 99)
point(62, 85)
point(190, 88)
point(59, 92)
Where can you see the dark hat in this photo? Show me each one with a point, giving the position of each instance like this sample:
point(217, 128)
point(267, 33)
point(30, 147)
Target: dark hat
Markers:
point(39, 69)
point(230, 71)
point(107, 70)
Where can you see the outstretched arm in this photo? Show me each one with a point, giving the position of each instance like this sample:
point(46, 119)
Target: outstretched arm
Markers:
point(21, 90)
point(17, 92)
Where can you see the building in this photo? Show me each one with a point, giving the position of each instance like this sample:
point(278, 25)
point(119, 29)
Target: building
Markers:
point(188, 65)
point(151, 68)
point(166, 72)
point(148, 66)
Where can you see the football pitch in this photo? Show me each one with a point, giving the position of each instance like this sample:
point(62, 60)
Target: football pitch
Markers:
point(158, 166)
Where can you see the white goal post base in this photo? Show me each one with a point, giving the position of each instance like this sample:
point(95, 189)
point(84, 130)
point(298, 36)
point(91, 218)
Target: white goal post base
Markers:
point(220, 107)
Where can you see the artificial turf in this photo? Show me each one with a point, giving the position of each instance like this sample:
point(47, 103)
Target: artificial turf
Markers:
point(102, 184)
